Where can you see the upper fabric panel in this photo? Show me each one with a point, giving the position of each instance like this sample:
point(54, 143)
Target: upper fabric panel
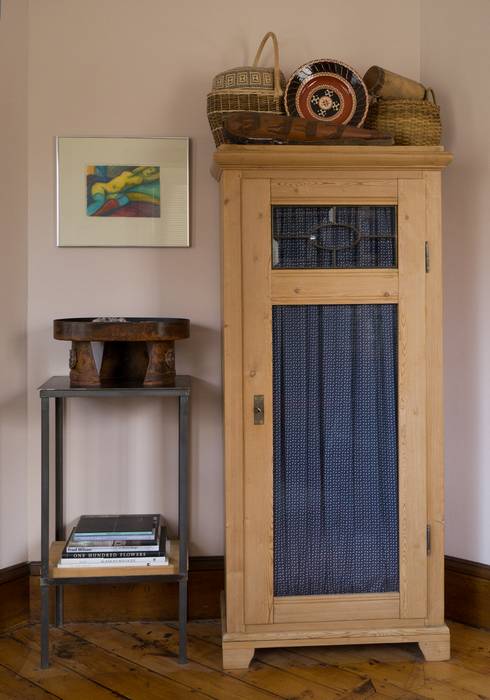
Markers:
point(334, 237)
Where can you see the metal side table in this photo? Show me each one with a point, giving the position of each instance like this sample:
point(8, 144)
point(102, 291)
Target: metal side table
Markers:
point(58, 388)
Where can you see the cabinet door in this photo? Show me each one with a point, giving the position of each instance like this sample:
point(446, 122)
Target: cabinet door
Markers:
point(334, 401)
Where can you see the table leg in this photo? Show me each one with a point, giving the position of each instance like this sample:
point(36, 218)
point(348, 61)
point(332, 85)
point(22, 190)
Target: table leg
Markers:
point(59, 606)
point(44, 532)
point(183, 621)
point(59, 489)
point(183, 522)
point(44, 625)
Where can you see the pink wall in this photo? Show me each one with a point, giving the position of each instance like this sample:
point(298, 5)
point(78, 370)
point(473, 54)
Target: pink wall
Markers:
point(455, 55)
point(144, 69)
point(101, 67)
point(13, 282)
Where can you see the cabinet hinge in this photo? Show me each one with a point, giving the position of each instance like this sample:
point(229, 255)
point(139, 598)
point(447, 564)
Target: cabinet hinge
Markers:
point(428, 539)
point(427, 256)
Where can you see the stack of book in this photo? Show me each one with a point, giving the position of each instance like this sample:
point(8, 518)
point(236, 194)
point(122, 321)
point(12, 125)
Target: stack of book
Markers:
point(116, 540)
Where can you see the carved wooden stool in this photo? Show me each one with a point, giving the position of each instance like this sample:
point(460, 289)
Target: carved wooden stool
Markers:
point(124, 351)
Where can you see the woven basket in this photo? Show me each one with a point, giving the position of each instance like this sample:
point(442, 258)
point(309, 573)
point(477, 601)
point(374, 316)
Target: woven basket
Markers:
point(246, 89)
point(411, 122)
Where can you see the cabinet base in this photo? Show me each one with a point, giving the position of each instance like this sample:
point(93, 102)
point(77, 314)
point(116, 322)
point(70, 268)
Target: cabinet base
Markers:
point(436, 651)
point(236, 657)
point(239, 648)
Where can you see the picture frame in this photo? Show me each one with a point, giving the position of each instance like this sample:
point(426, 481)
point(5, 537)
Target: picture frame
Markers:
point(122, 192)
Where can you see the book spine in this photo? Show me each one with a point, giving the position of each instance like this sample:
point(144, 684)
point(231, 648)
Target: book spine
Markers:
point(84, 536)
point(122, 548)
point(112, 554)
point(130, 561)
point(119, 545)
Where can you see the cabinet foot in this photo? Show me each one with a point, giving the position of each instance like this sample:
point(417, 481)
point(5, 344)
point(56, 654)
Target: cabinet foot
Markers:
point(236, 657)
point(436, 651)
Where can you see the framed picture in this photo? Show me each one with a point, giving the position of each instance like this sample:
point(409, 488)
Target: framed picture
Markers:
point(122, 191)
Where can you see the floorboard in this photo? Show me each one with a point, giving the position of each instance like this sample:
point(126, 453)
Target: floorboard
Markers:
point(57, 681)
point(276, 681)
point(15, 687)
point(138, 661)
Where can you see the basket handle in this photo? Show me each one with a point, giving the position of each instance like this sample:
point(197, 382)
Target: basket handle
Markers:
point(277, 74)
point(430, 95)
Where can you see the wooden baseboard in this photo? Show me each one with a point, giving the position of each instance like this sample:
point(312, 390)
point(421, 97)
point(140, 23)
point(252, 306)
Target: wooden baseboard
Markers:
point(467, 595)
point(14, 595)
point(467, 592)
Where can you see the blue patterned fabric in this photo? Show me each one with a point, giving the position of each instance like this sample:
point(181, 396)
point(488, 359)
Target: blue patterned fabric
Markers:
point(335, 449)
point(292, 222)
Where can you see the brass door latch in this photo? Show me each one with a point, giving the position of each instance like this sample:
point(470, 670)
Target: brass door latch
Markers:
point(259, 409)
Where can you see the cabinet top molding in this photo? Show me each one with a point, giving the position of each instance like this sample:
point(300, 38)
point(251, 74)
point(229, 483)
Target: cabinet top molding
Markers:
point(235, 157)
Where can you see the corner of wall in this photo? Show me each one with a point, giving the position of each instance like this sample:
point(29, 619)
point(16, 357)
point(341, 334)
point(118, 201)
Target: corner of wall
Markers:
point(455, 54)
point(13, 283)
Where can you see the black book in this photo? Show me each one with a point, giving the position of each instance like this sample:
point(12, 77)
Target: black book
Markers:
point(117, 550)
point(121, 527)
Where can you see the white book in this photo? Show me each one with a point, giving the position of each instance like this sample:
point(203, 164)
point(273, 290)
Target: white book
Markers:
point(113, 561)
point(113, 547)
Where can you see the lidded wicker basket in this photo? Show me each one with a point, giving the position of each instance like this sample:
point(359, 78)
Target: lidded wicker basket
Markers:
point(411, 122)
point(246, 89)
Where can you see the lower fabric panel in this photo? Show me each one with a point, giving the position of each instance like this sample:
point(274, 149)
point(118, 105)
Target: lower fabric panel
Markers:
point(335, 449)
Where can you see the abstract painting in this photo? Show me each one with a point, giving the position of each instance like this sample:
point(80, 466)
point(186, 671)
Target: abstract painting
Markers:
point(123, 190)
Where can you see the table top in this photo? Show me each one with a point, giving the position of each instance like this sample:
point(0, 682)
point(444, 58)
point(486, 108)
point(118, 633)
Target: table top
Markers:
point(59, 386)
point(149, 329)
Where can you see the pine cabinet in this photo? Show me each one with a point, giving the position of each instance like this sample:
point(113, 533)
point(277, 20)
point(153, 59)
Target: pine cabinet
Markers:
point(332, 311)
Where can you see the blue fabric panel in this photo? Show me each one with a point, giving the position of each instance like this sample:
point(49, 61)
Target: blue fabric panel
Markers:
point(335, 449)
point(296, 252)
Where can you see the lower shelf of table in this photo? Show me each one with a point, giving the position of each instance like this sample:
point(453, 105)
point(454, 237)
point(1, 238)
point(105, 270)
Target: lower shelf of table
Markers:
point(65, 572)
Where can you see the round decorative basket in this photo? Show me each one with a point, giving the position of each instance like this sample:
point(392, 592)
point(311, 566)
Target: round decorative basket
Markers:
point(246, 89)
point(411, 122)
point(327, 90)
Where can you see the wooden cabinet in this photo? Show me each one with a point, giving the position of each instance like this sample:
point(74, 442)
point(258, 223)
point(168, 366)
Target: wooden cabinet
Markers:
point(332, 397)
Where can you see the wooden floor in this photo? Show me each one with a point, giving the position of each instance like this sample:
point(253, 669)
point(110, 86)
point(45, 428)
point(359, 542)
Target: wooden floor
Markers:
point(138, 660)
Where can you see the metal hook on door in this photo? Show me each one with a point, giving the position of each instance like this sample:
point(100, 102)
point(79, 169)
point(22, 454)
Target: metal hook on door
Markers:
point(312, 237)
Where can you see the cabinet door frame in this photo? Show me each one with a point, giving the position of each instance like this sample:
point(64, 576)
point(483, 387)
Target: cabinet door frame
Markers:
point(262, 287)
point(257, 381)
